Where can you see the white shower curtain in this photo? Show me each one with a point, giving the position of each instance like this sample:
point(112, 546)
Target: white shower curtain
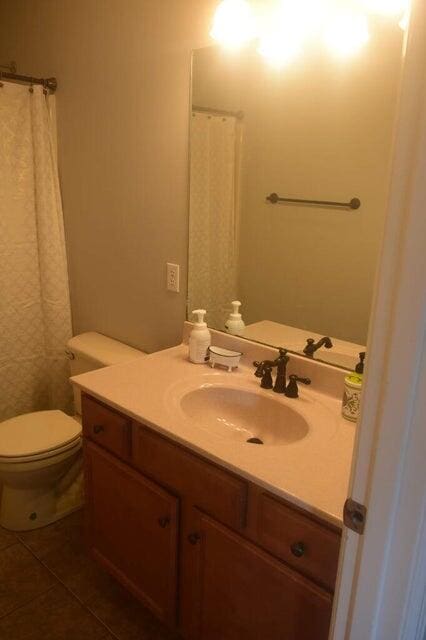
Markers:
point(212, 271)
point(35, 319)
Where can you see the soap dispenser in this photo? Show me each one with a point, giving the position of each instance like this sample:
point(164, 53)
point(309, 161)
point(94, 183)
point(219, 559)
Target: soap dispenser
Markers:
point(235, 324)
point(199, 339)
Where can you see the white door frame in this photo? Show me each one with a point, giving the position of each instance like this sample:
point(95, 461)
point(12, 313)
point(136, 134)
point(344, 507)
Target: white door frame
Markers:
point(381, 586)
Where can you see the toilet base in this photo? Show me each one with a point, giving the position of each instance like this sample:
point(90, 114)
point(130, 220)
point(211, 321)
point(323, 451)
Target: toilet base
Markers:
point(25, 507)
point(24, 511)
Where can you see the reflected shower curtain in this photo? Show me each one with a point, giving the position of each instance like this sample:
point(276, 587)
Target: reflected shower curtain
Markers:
point(35, 319)
point(212, 271)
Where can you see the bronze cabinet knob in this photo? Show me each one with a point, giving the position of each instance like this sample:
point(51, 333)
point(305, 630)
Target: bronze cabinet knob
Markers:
point(98, 428)
point(164, 521)
point(298, 549)
point(193, 538)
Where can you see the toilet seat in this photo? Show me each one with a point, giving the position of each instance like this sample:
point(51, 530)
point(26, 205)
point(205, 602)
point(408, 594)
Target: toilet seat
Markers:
point(38, 435)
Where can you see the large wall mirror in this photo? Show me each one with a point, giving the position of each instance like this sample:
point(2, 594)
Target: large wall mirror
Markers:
point(319, 129)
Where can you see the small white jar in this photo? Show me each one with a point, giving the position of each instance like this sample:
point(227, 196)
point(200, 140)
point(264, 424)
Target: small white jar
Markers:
point(352, 396)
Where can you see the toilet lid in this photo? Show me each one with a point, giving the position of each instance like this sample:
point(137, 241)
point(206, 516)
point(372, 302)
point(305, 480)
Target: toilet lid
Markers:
point(34, 433)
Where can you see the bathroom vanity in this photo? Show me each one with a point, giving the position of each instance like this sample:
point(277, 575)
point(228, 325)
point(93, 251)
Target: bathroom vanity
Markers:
point(220, 538)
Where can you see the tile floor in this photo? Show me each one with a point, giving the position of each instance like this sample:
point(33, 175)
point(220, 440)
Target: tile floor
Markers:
point(51, 589)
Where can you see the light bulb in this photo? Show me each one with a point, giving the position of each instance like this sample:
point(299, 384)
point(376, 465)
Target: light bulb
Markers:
point(284, 30)
point(279, 48)
point(305, 16)
point(404, 22)
point(386, 7)
point(233, 23)
point(346, 32)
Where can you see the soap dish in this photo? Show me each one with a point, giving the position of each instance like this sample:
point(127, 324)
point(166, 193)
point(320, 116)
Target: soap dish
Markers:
point(224, 357)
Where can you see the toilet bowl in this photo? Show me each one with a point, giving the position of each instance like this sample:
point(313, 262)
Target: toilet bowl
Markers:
point(39, 462)
point(40, 453)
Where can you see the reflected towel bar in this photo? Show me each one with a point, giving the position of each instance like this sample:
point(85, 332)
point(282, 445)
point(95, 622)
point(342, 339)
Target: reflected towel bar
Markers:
point(355, 203)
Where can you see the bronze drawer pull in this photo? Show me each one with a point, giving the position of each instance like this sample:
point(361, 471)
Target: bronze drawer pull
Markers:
point(164, 521)
point(193, 538)
point(298, 549)
point(98, 428)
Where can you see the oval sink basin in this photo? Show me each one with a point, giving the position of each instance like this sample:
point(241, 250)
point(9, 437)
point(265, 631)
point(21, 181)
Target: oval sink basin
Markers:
point(243, 416)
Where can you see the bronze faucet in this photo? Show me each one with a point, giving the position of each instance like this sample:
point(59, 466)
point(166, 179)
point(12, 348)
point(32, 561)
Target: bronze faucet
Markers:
point(264, 368)
point(264, 371)
point(311, 346)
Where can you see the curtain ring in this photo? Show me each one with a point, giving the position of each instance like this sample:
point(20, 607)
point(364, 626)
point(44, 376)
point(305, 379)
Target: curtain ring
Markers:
point(45, 85)
point(31, 89)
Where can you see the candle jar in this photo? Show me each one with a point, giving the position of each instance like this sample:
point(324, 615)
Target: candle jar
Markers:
point(352, 397)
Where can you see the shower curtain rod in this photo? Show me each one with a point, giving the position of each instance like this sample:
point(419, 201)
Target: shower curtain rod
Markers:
point(10, 74)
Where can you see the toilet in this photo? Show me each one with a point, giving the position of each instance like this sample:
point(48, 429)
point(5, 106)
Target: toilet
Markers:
point(41, 452)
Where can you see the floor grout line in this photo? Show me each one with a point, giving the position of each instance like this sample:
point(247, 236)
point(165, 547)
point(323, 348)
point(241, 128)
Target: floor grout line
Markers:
point(65, 536)
point(65, 587)
point(9, 545)
point(24, 604)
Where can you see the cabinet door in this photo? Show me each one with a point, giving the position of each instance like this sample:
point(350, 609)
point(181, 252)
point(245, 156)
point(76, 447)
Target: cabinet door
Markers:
point(242, 592)
point(133, 530)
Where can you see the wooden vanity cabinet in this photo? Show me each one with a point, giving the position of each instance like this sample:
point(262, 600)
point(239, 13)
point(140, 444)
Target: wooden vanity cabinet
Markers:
point(106, 427)
point(242, 592)
point(198, 482)
point(303, 543)
point(133, 530)
point(176, 528)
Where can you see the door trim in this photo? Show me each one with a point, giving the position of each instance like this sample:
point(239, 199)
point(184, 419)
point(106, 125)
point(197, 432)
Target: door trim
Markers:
point(387, 473)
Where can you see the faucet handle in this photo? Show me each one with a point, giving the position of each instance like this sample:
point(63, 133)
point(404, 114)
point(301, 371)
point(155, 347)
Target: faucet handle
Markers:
point(266, 382)
point(264, 371)
point(306, 381)
point(309, 348)
point(292, 390)
point(360, 366)
point(259, 368)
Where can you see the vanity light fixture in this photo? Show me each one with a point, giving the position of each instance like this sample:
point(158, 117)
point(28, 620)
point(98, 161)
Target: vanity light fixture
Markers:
point(282, 27)
point(403, 23)
point(285, 29)
point(233, 24)
point(346, 32)
point(396, 8)
point(280, 47)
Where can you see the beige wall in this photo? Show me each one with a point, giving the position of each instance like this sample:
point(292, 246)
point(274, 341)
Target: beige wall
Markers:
point(321, 129)
point(123, 73)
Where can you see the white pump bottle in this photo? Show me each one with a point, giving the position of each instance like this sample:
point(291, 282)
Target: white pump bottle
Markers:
point(235, 324)
point(199, 339)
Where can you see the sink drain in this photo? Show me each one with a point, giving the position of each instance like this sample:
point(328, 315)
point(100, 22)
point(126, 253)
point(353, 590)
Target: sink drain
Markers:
point(255, 441)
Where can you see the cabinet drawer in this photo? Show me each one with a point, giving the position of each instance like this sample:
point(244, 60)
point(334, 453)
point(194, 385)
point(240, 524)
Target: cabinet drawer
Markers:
point(213, 490)
point(106, 427)
point(311, 548)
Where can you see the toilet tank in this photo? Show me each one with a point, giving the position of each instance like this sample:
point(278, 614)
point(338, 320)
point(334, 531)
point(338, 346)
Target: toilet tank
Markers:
point(90, 351)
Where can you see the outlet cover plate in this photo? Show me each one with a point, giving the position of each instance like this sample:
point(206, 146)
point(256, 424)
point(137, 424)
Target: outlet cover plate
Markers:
point(173, 277)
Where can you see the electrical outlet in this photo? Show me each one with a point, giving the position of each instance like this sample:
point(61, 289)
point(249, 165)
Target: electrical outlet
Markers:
point(173, 277)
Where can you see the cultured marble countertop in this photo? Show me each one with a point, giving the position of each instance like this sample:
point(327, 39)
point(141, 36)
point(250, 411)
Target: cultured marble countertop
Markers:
point(312, 472)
